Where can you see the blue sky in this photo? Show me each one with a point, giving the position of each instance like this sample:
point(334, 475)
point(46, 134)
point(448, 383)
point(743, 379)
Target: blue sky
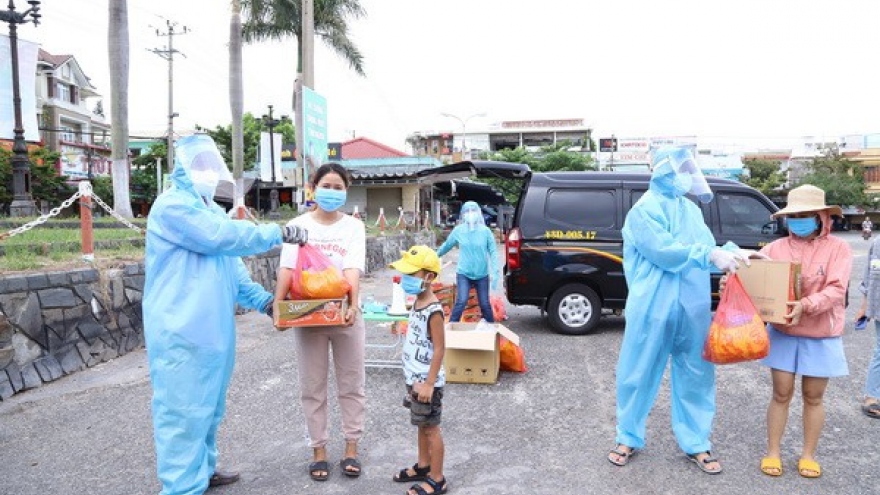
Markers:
point(740, 70)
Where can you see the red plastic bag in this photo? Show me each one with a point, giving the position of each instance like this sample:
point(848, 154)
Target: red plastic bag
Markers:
point(512, 357)
point(316, 277)
point(737, 333)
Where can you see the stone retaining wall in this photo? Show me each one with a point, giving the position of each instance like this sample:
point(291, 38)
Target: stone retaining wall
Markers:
point(56, 323)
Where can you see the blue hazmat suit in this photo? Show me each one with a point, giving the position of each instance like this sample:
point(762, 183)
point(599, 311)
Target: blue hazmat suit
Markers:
point(194, 278)
point(666, 246)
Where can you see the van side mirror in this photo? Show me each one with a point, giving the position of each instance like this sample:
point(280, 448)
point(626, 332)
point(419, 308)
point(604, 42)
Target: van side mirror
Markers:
point(776, 226)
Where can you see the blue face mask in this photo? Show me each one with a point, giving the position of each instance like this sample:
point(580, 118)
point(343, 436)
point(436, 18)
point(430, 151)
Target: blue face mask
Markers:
point(329, 199)
point(412, 285)
point(682, 183)
point(802, 227)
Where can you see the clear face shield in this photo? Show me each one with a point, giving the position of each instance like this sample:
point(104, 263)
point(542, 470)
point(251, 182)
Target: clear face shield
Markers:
point(203, 163)
point(689, 179)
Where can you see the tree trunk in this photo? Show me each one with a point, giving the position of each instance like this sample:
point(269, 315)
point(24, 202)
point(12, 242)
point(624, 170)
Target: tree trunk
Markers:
point(117, 41)
point(236, 105)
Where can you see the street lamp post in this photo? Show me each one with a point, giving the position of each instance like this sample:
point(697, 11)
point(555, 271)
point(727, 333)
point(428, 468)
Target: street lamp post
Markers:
point(22, 202)
point(271, 123)
point(463, 128)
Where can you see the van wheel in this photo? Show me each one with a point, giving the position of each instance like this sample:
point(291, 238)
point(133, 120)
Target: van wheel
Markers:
point(574, 309)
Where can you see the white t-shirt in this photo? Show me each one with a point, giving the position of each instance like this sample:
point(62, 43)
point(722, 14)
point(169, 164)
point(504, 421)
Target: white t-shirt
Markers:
point(418, 349)
point(344, 242)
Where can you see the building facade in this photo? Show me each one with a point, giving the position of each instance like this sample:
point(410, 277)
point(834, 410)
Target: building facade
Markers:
point(71, 116)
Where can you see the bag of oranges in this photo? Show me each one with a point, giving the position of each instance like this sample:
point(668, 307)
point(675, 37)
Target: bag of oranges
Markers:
point(316, 277)
point(737, 333)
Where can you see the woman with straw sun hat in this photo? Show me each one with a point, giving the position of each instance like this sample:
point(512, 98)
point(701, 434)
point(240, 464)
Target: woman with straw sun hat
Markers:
point(810, 345)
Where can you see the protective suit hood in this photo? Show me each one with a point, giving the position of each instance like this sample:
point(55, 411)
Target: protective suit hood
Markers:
point(472, 215)
point(199, 166)
point(675, 173)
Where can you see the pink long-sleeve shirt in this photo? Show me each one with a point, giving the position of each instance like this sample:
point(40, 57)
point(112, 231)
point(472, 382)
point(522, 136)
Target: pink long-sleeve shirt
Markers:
point(826, 263)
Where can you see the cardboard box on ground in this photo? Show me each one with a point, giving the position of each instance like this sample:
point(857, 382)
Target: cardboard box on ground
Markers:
point(771, 284)
point(474, 356)
point(310, 312)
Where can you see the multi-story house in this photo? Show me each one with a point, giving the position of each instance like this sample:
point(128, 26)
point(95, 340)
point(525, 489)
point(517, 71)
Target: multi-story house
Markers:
point(71, 117)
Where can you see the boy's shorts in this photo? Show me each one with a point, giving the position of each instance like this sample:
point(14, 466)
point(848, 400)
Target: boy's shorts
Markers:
point(423, 413)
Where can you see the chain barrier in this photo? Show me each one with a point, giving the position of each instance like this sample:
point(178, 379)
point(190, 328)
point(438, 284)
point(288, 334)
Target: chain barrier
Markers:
point(43, 218)
point(117, 215)
point(85, 189)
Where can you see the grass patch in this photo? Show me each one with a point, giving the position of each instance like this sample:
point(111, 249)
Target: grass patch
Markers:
point(39, 235)
point(61, 260)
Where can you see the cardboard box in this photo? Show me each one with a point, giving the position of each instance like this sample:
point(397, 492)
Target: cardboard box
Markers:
point(770, 285)
point(310, 312)
point(474, 356)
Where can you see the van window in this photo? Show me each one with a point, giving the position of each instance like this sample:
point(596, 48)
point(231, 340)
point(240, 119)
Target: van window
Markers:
point(742, 214)
point(590, 209)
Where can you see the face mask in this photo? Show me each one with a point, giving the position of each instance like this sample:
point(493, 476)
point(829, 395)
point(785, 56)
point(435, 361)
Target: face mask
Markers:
point(204, 182)
point(329, 199)
point(682, 184)
point(412, 285)
point(802, 227)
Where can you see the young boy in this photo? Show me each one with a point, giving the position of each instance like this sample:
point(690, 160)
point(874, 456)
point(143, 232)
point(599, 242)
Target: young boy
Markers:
point(423, 369)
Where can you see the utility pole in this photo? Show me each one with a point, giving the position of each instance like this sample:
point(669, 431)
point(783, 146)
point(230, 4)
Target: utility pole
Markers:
point(305, 78)
point(168, 54)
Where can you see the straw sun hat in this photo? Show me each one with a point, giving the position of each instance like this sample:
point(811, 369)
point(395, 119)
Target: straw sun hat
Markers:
point(806, 198)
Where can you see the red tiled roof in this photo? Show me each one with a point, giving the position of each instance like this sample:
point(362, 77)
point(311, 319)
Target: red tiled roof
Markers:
point(367, 148)
point(55, 60)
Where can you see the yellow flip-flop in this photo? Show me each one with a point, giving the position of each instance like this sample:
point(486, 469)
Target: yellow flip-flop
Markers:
point(809, 468)
point(771, 466)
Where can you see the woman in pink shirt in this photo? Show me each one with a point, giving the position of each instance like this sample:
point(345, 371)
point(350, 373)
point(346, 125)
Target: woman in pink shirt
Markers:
point(811, 345)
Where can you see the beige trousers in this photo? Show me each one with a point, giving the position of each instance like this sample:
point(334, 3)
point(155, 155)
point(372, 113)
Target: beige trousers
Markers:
point(314, 345)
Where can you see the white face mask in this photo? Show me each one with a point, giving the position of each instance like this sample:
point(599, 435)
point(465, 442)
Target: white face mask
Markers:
point(205, 182)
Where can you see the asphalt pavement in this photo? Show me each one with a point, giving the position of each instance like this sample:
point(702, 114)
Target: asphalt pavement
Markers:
point(545, 431)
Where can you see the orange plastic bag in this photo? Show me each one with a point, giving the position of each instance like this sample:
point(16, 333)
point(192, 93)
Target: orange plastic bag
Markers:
point(316, 277)
point(512, 357)
point(737, 333)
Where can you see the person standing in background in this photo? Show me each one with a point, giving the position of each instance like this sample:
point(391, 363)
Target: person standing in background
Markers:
point(478, 263)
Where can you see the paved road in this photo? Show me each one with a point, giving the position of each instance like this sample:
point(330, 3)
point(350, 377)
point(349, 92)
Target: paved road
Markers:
point(546, 431)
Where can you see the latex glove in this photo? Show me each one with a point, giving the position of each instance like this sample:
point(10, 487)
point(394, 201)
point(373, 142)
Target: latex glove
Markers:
point(727, 261)
point(752, 254)
point(294, 235)
point(269, 308)
point(797, 309)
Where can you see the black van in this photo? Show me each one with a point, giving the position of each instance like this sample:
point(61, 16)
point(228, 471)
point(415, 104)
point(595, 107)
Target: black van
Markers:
point(564, 247)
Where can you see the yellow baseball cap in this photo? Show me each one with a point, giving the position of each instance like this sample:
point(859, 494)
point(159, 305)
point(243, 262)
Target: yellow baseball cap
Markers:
point(417, 258)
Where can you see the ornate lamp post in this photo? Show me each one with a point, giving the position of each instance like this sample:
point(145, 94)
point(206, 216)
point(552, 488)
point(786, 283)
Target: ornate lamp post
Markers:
point(463, 129)
point(22, 202)
point(271, 123)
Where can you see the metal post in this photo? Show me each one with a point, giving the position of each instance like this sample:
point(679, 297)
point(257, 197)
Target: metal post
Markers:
point(271, 122)
point(22, 203)
point(463, 129)
point(85, 218)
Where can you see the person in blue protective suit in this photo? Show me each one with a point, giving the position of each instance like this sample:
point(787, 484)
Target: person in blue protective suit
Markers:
point(194, 279)
point(667, 254)
point(477, 261)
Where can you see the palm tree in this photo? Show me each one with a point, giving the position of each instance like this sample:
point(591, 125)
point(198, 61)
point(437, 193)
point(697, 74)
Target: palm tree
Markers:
point(278, 19)
point(117, 41)
point(236, 105)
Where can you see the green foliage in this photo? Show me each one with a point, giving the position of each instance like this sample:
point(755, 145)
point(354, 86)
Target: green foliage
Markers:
point(251, 128)
point(764, 175)
point(102, 187)
point(46, 185)
point(557, 158)
point(278, 19)
point(842, 179)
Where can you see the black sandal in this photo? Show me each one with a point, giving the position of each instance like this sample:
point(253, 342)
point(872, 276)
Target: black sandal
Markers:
point(421, 473)
point(319, 470)
point(438, 487)
point(351, 467)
